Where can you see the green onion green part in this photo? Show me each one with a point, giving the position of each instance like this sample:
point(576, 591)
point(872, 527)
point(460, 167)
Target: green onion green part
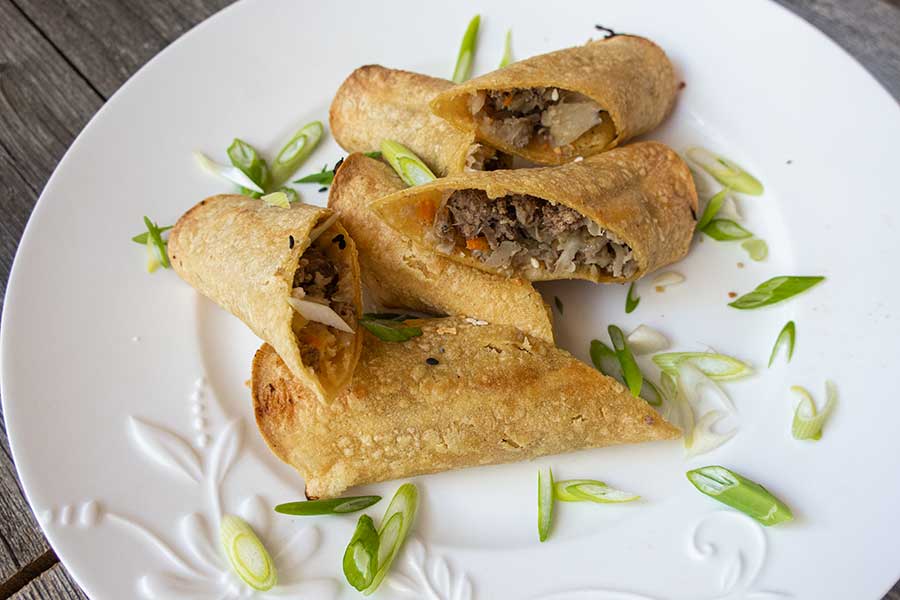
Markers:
point(757, 249)
point(291, 193)
point(631, 301)
point(323, 177)
point(374, 154)
point(630, 370)
point(740, 493)
point(154, 237)
point(606, 361)
point(718, 367)
point(561, 493)
point(558, 303)
point(712, 209)
point(247, 555)
point(232, 174)
point(775, 290)
point(277, 199)
point(361, 555)
point(408, 166)
point(726, 172)
point(294, 152)
point(507, 50)
point(389, 330)
point(651, 394)
point(787, 336)
point(395, 524)
point(808, 422)
point(545, 501)
point(245, 157)
point(141, 238)
point(597, 492)
point(726, 230)
point(333, 506)
point(463, 69)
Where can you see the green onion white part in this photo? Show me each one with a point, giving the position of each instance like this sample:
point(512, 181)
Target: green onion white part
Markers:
point(463, 69)
point(646, 340)
point(408, 166)
point(712, 209)
point(395, 524)
point(725, 230)
point(776, 290)
point(726, 172)
point(247, 555)
point(808, 422)
point(634, 379)
point(786, 337)
point(278, 199)
point(703, 438)
point(232, 174)
point(718, 367)
point(729, 209)
point(153, 262)
point(563, 495)
point(507, 50)
point(361, 556)
point(756, 248)
point(740, 493)
point(598, 492)
point(667, 279)
point(294, 152)
point(545, 501)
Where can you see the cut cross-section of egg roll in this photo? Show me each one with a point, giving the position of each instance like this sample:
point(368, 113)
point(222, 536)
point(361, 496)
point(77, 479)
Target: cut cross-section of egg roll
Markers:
point(574, 102)
point(612, 217)
point(376, 103)
point(400, 273)
point(460, 395)
point(291, 274)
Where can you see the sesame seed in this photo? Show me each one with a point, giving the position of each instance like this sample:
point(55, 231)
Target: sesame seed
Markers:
point(291, 242)
point(431, 361)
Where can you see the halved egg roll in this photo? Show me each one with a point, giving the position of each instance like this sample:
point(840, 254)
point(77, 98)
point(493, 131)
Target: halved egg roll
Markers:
point(290, 274)
point(460, 395)
point(375, 103)
point(574, 102)
point(612, 217)
point(400, 273)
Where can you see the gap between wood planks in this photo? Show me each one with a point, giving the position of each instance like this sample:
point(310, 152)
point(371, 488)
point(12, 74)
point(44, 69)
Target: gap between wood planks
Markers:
point(29, 572)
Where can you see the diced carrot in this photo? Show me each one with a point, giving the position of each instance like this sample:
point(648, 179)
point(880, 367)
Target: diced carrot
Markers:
point(477, 243)
point(426, 210)
point(507, 100)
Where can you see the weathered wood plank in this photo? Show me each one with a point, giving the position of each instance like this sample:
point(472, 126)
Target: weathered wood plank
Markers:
point(53, 584)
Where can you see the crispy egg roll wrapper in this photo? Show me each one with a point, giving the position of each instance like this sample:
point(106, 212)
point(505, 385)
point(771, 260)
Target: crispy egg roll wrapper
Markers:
point(629, 77)
point(400, 273)
point(375, 103)
point(242, 255)
point(496, 395)
point(643, 193)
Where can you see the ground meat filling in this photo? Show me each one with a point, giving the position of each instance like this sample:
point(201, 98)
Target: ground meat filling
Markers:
point(548, 115)
point(485, 158)
point(524, 232)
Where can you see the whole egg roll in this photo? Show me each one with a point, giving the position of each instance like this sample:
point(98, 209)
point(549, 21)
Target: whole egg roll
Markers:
point(460, 395)
point(574, 102)
point(612, 217)
point(290, 274)
point(400, 273)
point(375, 103)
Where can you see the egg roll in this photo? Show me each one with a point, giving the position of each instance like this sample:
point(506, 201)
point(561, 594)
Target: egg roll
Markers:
point(376, 103)
point(400, 273)
point(460, 395)
point(612, 217)
point(574, 102)
point(290, 274)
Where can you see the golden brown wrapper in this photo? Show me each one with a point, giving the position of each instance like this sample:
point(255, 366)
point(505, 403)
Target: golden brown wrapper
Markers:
point(643, 193)
point(400, 273)
point(242, 254)
point(630, 77)
point(495, 395)
point(375, 103)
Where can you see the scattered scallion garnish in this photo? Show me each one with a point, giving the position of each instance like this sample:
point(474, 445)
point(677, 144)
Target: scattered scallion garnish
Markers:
point(606, 361)
point(545, 501)
point(757, 249)
point(294, 152)
point(141, 238)
point(507, 50)
point(718, 367)
point(333, 506)
point(786, 337)
point(323, 177)
point(373, 154)
point(712, 209)
point(590, 490)
point(726, 172)
point(650, 393)
point(631, 301)
point(463, 69)
point(243, 156)
point(389, 330)
point(246, 553)
point(563, 495)
point(808, 422)
point(157, 255)
point(558, 303)
point(395, 524)
point(726, 230)
point(277, 199)
point(231, 173)
point(361, 556)
point(291, 193)
point(775, 290)
point(408, 166)
point(646, 340)
point(740, 493)
point(630, 370)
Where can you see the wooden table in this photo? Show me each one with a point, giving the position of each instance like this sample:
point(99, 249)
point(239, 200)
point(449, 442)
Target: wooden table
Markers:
point(60, 60)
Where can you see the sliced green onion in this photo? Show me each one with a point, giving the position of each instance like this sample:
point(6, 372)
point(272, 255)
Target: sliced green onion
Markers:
point(712, 209)
point(678, 409)
point(738, 492)
point(291, 193)
point(388, 330)
point(232, 174)
point(562, 494)
point(703, 439)
point(726, 172)
point(650, 393)
point(390, 316)
point(606, 361)
point(631, 301)
point(247, 555)
point(646, 340)
point(726, 230)
point(395, 524)
point(141, 238)
point(154, 237)
point(558, 303)
point(507, 50)
point(324, 177)
point(718, 367)
point(757, 249)
point(247, 159)
point(630, 370)
point(153, 262)
point(808, 422)
point(598, 492)
point(667, 279)
point(545, 501)
point(374, 154)
point(788, 336)
point(333, 506)
point(361, 555)
point(277, 199)
point(463, 69)
point(775, 290)
point(408, 166)
point(294, 152)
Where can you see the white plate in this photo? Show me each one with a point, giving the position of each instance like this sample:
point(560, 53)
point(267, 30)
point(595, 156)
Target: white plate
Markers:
point(124, 393)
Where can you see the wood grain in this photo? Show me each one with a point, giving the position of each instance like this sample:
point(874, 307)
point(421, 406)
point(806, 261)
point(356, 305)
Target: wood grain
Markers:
point(55, 583)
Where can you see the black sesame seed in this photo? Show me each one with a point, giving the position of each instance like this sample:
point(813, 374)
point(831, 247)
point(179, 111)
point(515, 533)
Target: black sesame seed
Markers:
point(323, 189)
point(339, 240)
point(431, 361)
point(291, 242)
point(337, 166)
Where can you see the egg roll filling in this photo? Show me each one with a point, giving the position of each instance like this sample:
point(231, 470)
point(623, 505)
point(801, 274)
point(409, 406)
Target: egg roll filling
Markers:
point(546, 115)
point(484, 158)
point(525, 232)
